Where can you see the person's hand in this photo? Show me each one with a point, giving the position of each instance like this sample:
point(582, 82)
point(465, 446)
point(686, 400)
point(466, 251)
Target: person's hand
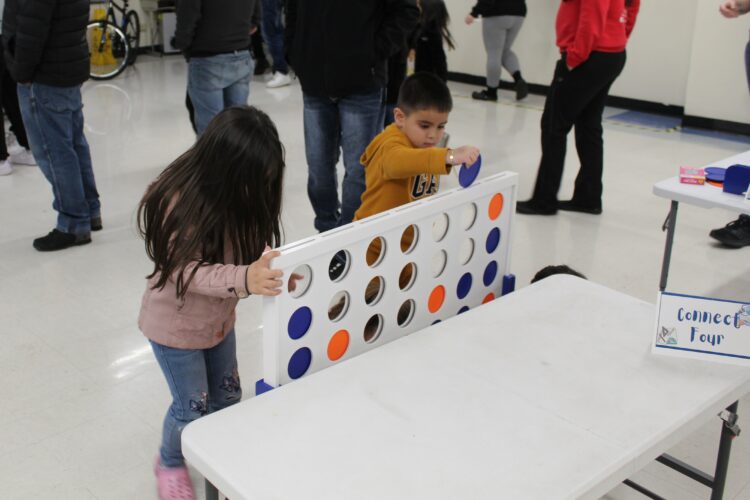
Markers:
point(470, 19)
point(293, 279)
point(464, 154)
point(261, 279)
point(412, 55)
point(253, 30)
point(730, 9)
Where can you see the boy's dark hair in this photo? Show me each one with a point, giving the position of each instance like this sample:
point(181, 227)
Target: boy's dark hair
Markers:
point(548, 271)
point(423, 91)
point(221, 198)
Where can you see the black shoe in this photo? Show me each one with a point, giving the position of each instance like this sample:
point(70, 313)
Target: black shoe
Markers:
point(96, 224)
point(736, 234)
point(57, 240)
point(261, 67)
point(522, 89)
point(571, 206)
point(485, 95)
point(529, 208)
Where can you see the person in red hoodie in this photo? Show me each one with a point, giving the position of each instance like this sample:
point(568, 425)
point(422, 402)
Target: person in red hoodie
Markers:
point(591, 35)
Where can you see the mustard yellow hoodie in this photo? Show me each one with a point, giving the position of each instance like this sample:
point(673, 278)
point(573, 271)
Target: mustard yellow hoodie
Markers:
point(397, 173)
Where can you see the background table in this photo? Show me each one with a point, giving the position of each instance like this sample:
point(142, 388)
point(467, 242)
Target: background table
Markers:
point(705, 196)
point(549, 392)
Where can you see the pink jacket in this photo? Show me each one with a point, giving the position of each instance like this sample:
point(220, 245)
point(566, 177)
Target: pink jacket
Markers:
point(203, 318)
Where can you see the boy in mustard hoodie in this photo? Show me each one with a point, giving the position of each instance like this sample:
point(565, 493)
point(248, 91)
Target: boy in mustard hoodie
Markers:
point(402, 163)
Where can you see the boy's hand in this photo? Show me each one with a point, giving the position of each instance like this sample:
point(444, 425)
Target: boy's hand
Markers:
point(464, 154)
point(261, 279)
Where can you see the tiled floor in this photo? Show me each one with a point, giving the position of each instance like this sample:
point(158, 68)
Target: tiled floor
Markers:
point(83, 398)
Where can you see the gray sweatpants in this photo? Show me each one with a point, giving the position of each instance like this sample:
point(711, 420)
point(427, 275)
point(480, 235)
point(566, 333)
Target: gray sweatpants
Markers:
point(499, 33)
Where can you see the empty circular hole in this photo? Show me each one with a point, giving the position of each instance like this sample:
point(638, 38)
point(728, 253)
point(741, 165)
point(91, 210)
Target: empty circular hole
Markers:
point(439, 227)
point(438, 263)
point(409, 238)
point(468, 216)
point(375, 251)
point(405, 313)
point(407, 276)
point(339, 265)
point(338, 306)
point(374, 290)
point(373, 327)
point(299, 281)
point(466, 251)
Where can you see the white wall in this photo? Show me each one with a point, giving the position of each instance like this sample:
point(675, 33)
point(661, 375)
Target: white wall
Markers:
point(717, 87)
point(681, 53)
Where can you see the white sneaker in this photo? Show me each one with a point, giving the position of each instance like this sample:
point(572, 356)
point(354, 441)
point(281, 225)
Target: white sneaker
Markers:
point(22, 157)
point(5, 168)
point(279, 80)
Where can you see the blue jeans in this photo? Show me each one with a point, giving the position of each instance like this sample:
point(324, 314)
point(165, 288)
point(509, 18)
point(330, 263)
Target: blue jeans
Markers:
point(201, 381)
point(218, 82)
point(349, 123)
point(273, 33)
point(54, 125)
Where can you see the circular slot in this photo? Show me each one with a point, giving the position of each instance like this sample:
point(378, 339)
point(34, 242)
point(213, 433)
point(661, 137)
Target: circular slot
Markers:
point(468, 216)
point(299, 281)
point(493, 240)
point(339, 265)
point(375, 251)
point(436, 300)
point(338, 306)
point(464, 286)
point(299, 363)
point(408, 276)
point(373, 328)
point(438, 263)
point(409, 239)
point(374, 290)
point(466, 252)
point(338, 345)
point(405, 313)
point(440, 227)
point(490, 273)
point(496, 206)
point(299, 322)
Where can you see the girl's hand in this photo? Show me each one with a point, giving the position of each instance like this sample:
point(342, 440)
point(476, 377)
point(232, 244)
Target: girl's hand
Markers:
point(730, 9)
point(261, 279)
point(470, 19)
point(464, 154)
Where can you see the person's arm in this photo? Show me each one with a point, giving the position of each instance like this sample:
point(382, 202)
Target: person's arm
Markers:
point(33, 23)
point(256, 20)
point(232, 281)
point(188, 15)
point(400, 19)
point(632, 15)
point(592, 19)
point(481, 8)
point(401, 161)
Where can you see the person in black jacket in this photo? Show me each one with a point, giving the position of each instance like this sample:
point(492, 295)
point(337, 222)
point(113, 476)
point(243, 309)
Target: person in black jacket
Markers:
point(215, 38)
point(501, 22)
point(338, 49)
point(47, 54)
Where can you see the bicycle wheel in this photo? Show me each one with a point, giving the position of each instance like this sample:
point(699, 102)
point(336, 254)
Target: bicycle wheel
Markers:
point(133, 34)
point(109, 50)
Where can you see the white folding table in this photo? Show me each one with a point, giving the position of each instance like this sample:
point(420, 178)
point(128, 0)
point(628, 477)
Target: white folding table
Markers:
point(705, 196)
point(549, 392)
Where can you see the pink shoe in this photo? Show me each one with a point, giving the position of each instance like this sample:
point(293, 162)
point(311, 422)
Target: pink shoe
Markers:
point(173, 483)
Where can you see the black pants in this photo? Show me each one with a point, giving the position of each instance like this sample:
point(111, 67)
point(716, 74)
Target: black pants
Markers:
point(576, 98)
point(9, 103)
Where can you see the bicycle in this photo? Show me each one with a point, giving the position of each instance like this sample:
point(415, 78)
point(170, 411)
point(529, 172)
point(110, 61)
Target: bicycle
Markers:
point(113, 46)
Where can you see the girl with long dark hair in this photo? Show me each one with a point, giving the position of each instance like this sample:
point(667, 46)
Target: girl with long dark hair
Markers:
point(431, 33)
point(591, 35)
point(206, 222)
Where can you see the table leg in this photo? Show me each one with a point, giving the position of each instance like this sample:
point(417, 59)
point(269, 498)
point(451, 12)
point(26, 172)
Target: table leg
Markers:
point(211, 492)
point(722, 460)
point(669, 226)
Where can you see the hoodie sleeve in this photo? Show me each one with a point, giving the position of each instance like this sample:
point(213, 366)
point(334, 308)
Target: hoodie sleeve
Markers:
point(592, 19)
point(217, 280)
point(632, 15)
point(401, 161)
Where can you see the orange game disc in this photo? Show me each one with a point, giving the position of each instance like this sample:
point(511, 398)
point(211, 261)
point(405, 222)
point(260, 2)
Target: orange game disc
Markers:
point(338, 345)
point(496, 206)
point(437, 297)
point(489, 298)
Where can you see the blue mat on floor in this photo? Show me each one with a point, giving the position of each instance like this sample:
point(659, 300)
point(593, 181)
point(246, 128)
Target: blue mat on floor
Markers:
point(641, 119)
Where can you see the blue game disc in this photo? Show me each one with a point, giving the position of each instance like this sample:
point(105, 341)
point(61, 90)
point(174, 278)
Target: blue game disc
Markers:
point(463, 309)
point(299, 323)
point(715, 174)
point(467, 175)
point(490, 273)
point(299, 362)
point(493, 240)
point(464, 286)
